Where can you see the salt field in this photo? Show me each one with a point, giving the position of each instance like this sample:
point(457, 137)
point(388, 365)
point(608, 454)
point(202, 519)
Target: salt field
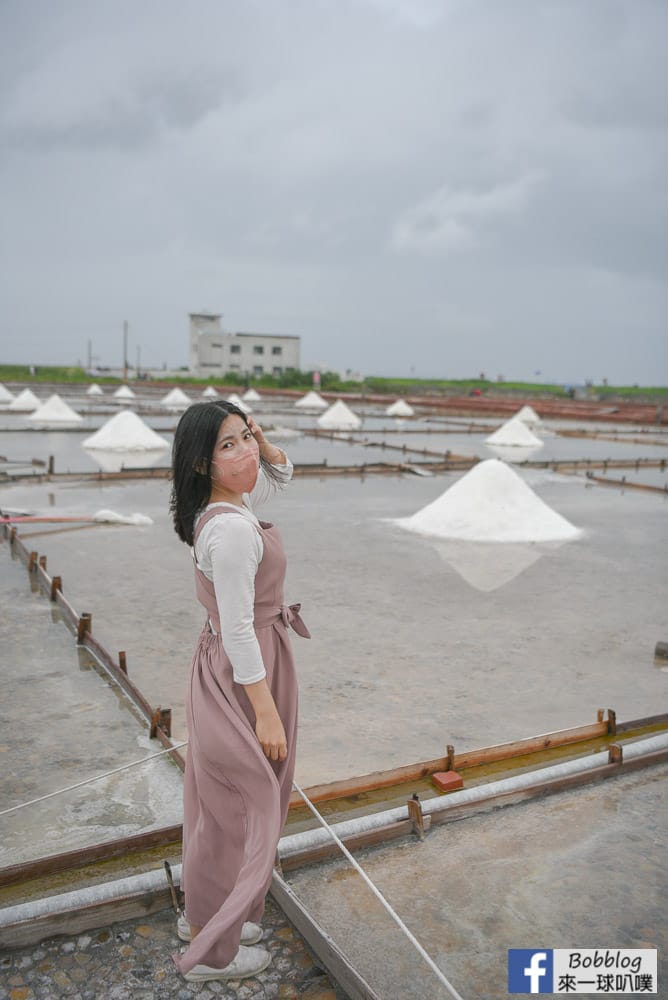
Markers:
point(418, 641)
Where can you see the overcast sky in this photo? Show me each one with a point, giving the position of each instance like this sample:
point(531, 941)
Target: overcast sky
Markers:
point(441, 187)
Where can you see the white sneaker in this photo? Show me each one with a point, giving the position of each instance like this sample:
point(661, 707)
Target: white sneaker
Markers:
point(250, 933)
point(248, 962)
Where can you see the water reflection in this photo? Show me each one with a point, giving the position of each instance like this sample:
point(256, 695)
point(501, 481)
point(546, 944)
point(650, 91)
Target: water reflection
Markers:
point(487, 566)
point(115, 461)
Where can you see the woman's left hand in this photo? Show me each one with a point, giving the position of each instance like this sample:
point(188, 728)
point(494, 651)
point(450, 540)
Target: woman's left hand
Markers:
point(268, 450)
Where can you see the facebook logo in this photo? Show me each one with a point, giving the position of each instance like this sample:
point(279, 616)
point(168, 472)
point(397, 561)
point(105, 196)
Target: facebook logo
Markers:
point(530, 970)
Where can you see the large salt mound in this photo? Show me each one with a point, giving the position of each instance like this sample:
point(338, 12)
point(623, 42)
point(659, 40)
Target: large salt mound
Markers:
point(124, 392)
point(55, 411)
point(514, 432)
point(251, 396)
point(176, 397)
point(400, 409)
point(25, 402)
point(5, 395)
point(339, 417)
point(311, 401)
point(94, 390)
point(210, 393)
point(491, 503)
point(529, 417)
point(236, 400)
point(125, 432)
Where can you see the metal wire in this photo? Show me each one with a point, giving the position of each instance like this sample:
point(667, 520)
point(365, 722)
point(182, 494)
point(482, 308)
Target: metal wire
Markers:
point(395, 916)
point(88, 781)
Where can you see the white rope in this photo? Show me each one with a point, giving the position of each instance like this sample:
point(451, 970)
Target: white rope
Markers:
point(397, 919)
point(88, 781)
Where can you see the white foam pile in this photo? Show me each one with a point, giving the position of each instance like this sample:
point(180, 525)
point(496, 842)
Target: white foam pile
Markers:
point(210, 393)
point(400, 409)
point(125, 432)
point(236, 400)
point(55, 411)
point(25, 402)
point(339, 417)
point(514, 433)
point(111, 517)
point(491, 503)
point(251, 396)
point(124, 392)
point(177, 397)
point(529, 417)
point(94, 390)
point(311, 401)
point(5, 395)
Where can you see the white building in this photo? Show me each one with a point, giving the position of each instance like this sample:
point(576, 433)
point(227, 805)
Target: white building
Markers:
point(214, 352)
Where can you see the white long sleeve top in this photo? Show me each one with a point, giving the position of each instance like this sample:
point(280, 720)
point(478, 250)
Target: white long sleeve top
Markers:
point(228, 551)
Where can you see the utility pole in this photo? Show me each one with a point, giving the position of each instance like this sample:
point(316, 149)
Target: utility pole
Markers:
point(90, 354)
point(138, 360)
point(125, 350)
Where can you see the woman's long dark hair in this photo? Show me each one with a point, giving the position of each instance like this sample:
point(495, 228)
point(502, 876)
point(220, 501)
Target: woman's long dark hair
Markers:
point(192, 451)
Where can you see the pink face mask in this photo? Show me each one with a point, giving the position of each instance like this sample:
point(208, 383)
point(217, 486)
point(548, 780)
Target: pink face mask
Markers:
point(240, 473)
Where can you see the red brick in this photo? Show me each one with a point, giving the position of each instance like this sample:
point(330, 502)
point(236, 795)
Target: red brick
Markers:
point(447, 781)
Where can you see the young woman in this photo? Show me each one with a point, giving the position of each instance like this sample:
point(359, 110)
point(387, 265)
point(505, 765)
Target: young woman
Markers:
point(241, 705)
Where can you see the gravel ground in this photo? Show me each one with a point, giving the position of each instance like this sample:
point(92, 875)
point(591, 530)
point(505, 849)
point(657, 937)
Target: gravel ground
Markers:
point(131, 960)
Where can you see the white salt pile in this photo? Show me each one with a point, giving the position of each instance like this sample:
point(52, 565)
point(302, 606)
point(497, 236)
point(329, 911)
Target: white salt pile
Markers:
point(94, 390)
point(400, 409)
point(124, 392)
point(236, 400)
point(210, 393)
point(55, 411)
point(251, 396)
point(176, 398)
point(5, 395)
point(111, 517)
point(491, 503)
point(311, 401)
point(339, 417)
point(529, 417)
point(514, 433)
point(125, 432)
point(25, 402)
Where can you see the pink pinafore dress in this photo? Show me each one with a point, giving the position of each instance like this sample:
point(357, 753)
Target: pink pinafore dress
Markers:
point(235, 799)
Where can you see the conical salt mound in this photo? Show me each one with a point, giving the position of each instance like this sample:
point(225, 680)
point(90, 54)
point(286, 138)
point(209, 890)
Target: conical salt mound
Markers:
point(177, 397)
point(491, 503)
point(251, 396)
point(124, 392)
point(514, 432)
point(5, 395)
point(311, 401)
point(236, 400)
point(55, 411)
point(400, 409)
point(94, 390)
point(529, 417)
point(210, 393)
point(25, 402)
point(125, 432)
point(339, 417)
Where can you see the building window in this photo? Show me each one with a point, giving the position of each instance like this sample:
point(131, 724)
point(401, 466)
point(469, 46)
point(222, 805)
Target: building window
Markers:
point(258, 370)
point(235, 368)
point(289, 369)
point(235, 348)
point(217, 346)
point(258, 349)
point(277, 350)
point(277, 370)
